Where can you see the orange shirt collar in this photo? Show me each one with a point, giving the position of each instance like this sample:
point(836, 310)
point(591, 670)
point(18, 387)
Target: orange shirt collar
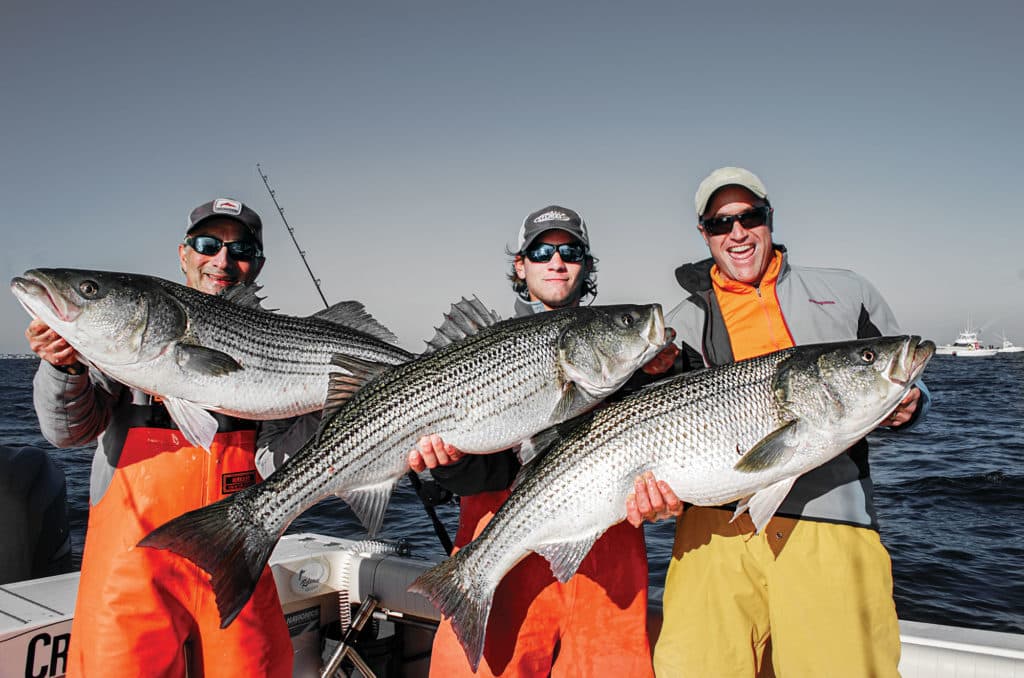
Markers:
point(727, 284)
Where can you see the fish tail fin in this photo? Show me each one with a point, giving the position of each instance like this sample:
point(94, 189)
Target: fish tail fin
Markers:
point(462, 597)
point(232, 551)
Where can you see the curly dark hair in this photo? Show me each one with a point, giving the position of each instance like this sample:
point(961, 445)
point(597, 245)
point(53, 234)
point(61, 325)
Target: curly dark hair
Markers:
point(587, 289)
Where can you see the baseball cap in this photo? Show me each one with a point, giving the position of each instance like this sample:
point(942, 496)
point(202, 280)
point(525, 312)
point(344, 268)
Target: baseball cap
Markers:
point(727, 176)
point(549, 218)
point(230, 208)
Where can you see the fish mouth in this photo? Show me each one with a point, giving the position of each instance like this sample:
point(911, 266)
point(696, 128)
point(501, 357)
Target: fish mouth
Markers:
point(35, 289)
point(656, 335)
point(909, 365)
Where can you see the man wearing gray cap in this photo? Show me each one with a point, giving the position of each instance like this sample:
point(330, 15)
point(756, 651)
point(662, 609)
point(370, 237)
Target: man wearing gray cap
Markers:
point(594, 624)
point(143, 611)
point(811, 595)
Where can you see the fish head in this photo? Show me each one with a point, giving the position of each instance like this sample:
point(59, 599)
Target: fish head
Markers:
point(604, 345)
point(109, 318)
point(849, 387)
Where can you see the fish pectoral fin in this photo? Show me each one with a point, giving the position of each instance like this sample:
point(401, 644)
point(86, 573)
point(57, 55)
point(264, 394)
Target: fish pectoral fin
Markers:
point(369, 503)
point(206, 361)
point(564, 405)
point(763, 504)
point(342, 385)
point(354, 315)
point(195, 423)
point(770, 451)
point(541, 442)
point(565, 556)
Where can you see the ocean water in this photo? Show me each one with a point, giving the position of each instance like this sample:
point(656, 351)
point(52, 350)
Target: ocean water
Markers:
point(950, 495)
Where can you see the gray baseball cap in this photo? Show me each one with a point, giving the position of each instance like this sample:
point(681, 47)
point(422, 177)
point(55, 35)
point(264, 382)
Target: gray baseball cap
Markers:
point(231, 209)
point(727, 176)
point(552, 217)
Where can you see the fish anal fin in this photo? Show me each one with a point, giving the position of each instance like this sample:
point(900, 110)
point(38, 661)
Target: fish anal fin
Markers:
point(369, 503)
point(565, 556)
point(763, 504)
point(195, 423)
point(205, 361)
point(769, 452)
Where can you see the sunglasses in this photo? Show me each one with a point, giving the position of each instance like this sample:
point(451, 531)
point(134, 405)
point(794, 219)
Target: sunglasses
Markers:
point(240, 250)
point(542, 252)
point(752, 218)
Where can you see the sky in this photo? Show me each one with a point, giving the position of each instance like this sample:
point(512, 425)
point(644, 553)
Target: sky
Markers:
point(407, 142)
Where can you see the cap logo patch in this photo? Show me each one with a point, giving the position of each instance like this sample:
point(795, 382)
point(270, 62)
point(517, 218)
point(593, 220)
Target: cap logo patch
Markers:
point(553, 215)
point(226, 206)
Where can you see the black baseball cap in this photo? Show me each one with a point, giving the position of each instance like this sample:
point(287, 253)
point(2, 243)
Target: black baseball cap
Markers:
point(552, 217)
point(231, 209)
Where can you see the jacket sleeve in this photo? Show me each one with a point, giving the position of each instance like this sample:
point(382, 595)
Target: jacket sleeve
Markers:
point(73, 409)
point(476, 473)
point(279, 439)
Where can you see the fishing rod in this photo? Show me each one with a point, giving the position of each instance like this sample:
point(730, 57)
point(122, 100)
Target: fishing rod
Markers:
point(291, 232)
point(430, 493)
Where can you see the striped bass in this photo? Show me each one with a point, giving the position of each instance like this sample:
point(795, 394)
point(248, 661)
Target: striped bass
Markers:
point(203, 352)
point(487, 386)
point(742, 431)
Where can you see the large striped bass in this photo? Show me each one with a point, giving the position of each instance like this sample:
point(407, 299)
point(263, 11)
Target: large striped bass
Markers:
point(743, 431)
point(203, 352)
point(482, 393)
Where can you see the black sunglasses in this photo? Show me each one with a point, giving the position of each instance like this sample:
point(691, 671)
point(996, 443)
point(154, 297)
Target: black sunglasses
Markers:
point(240, 250)
point(542, 252)
point(752, 218)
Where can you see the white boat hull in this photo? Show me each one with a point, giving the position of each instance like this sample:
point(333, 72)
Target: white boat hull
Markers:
point(314, 573)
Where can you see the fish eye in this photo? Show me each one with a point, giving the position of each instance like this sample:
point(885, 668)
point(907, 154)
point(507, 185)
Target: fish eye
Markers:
point(88, 288)
point(868, 356)
point(627, 319)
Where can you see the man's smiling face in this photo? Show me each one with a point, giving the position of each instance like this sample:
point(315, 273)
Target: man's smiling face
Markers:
point(741, 254)
point(213, 274)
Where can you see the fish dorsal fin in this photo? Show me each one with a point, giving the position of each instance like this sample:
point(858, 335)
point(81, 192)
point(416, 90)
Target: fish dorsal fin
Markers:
point(769, 452)
point(565, 556)
point(369, 503)
point(195, 423)
point(466, 318)
point(764, 503)
point(245, 295)
point(208, 362)
point(342, 385)
point(354, 315)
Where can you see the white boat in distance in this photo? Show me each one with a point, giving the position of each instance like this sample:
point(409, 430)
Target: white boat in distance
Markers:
point(966, 345)
point(1009, 347)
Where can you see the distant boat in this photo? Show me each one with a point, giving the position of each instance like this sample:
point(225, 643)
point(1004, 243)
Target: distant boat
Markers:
point(1009, 347)
point(966, 346)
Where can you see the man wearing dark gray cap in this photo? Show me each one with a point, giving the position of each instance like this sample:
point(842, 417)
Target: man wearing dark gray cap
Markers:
point(138, 610)
point(811, 594)
point(594, 624)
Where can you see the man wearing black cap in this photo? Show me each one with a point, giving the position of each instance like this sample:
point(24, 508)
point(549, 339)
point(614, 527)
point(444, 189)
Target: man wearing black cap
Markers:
point(811, 594)
point(143, 611)
point(594, 624)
